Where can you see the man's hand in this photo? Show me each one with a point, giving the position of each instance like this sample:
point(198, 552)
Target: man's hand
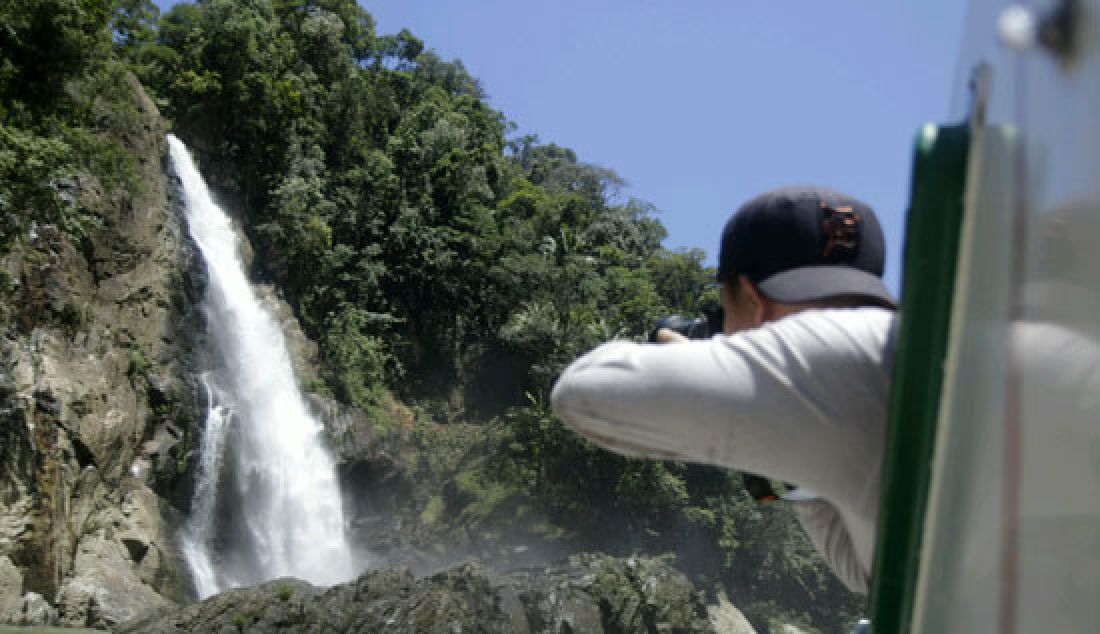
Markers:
point(665, 335)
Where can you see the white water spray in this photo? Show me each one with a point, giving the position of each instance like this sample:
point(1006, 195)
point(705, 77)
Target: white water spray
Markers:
point(266, 503)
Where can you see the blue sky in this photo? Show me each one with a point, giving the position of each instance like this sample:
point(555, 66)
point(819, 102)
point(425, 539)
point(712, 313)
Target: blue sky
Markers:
point(701, 104)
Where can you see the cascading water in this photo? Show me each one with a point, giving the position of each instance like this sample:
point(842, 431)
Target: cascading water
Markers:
point(266, 500)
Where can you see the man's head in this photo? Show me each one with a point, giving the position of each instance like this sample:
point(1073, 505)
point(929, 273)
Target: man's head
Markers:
point(800, 247)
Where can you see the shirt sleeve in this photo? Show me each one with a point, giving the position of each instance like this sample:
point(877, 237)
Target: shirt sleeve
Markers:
point(801, 400)
point(826, 529)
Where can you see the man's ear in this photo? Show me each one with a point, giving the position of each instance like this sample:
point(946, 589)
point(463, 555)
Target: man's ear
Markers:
point(759, 302)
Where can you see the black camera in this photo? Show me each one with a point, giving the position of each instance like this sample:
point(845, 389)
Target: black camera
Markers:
point(703, 327)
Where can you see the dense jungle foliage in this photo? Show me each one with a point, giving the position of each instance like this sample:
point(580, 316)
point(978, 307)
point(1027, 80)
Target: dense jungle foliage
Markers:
point(433, 252)
point(60, 86)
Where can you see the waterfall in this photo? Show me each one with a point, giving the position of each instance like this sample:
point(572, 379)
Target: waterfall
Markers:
point(266, 501)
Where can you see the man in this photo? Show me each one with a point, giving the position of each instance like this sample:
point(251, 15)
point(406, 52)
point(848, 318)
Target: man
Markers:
point(797, 388)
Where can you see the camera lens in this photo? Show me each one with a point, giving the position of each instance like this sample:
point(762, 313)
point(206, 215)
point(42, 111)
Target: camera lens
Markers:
point(691, 328)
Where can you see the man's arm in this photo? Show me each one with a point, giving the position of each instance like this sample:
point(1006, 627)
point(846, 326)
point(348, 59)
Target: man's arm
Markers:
point(826, 529)
point(801, 400)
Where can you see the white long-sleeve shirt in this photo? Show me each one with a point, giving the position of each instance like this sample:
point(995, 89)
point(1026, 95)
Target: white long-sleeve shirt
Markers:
point(803, 400)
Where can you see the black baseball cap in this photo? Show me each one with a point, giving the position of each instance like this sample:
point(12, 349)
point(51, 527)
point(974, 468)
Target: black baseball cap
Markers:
point(805, 243)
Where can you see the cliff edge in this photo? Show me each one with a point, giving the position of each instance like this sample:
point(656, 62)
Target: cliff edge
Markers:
point(94, 413)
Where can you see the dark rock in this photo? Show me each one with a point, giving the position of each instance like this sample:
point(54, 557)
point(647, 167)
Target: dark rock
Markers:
point(137, 548)
point(589, 593)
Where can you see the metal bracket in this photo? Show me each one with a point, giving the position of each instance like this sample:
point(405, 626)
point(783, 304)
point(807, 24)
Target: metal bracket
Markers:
point(1057, 30)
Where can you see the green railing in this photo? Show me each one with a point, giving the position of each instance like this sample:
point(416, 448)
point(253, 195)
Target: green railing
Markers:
point(931, 251)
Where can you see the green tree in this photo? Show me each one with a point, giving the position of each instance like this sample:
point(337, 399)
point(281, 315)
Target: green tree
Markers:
point(44, 43)
point(681, 278)
point(133, 24)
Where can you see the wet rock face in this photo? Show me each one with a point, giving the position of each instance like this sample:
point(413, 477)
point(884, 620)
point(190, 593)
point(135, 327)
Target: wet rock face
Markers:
point(597, 594)
point(95, 415)
point(589, 593)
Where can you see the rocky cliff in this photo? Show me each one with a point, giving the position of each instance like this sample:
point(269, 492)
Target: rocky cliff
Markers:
point(95, 417)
